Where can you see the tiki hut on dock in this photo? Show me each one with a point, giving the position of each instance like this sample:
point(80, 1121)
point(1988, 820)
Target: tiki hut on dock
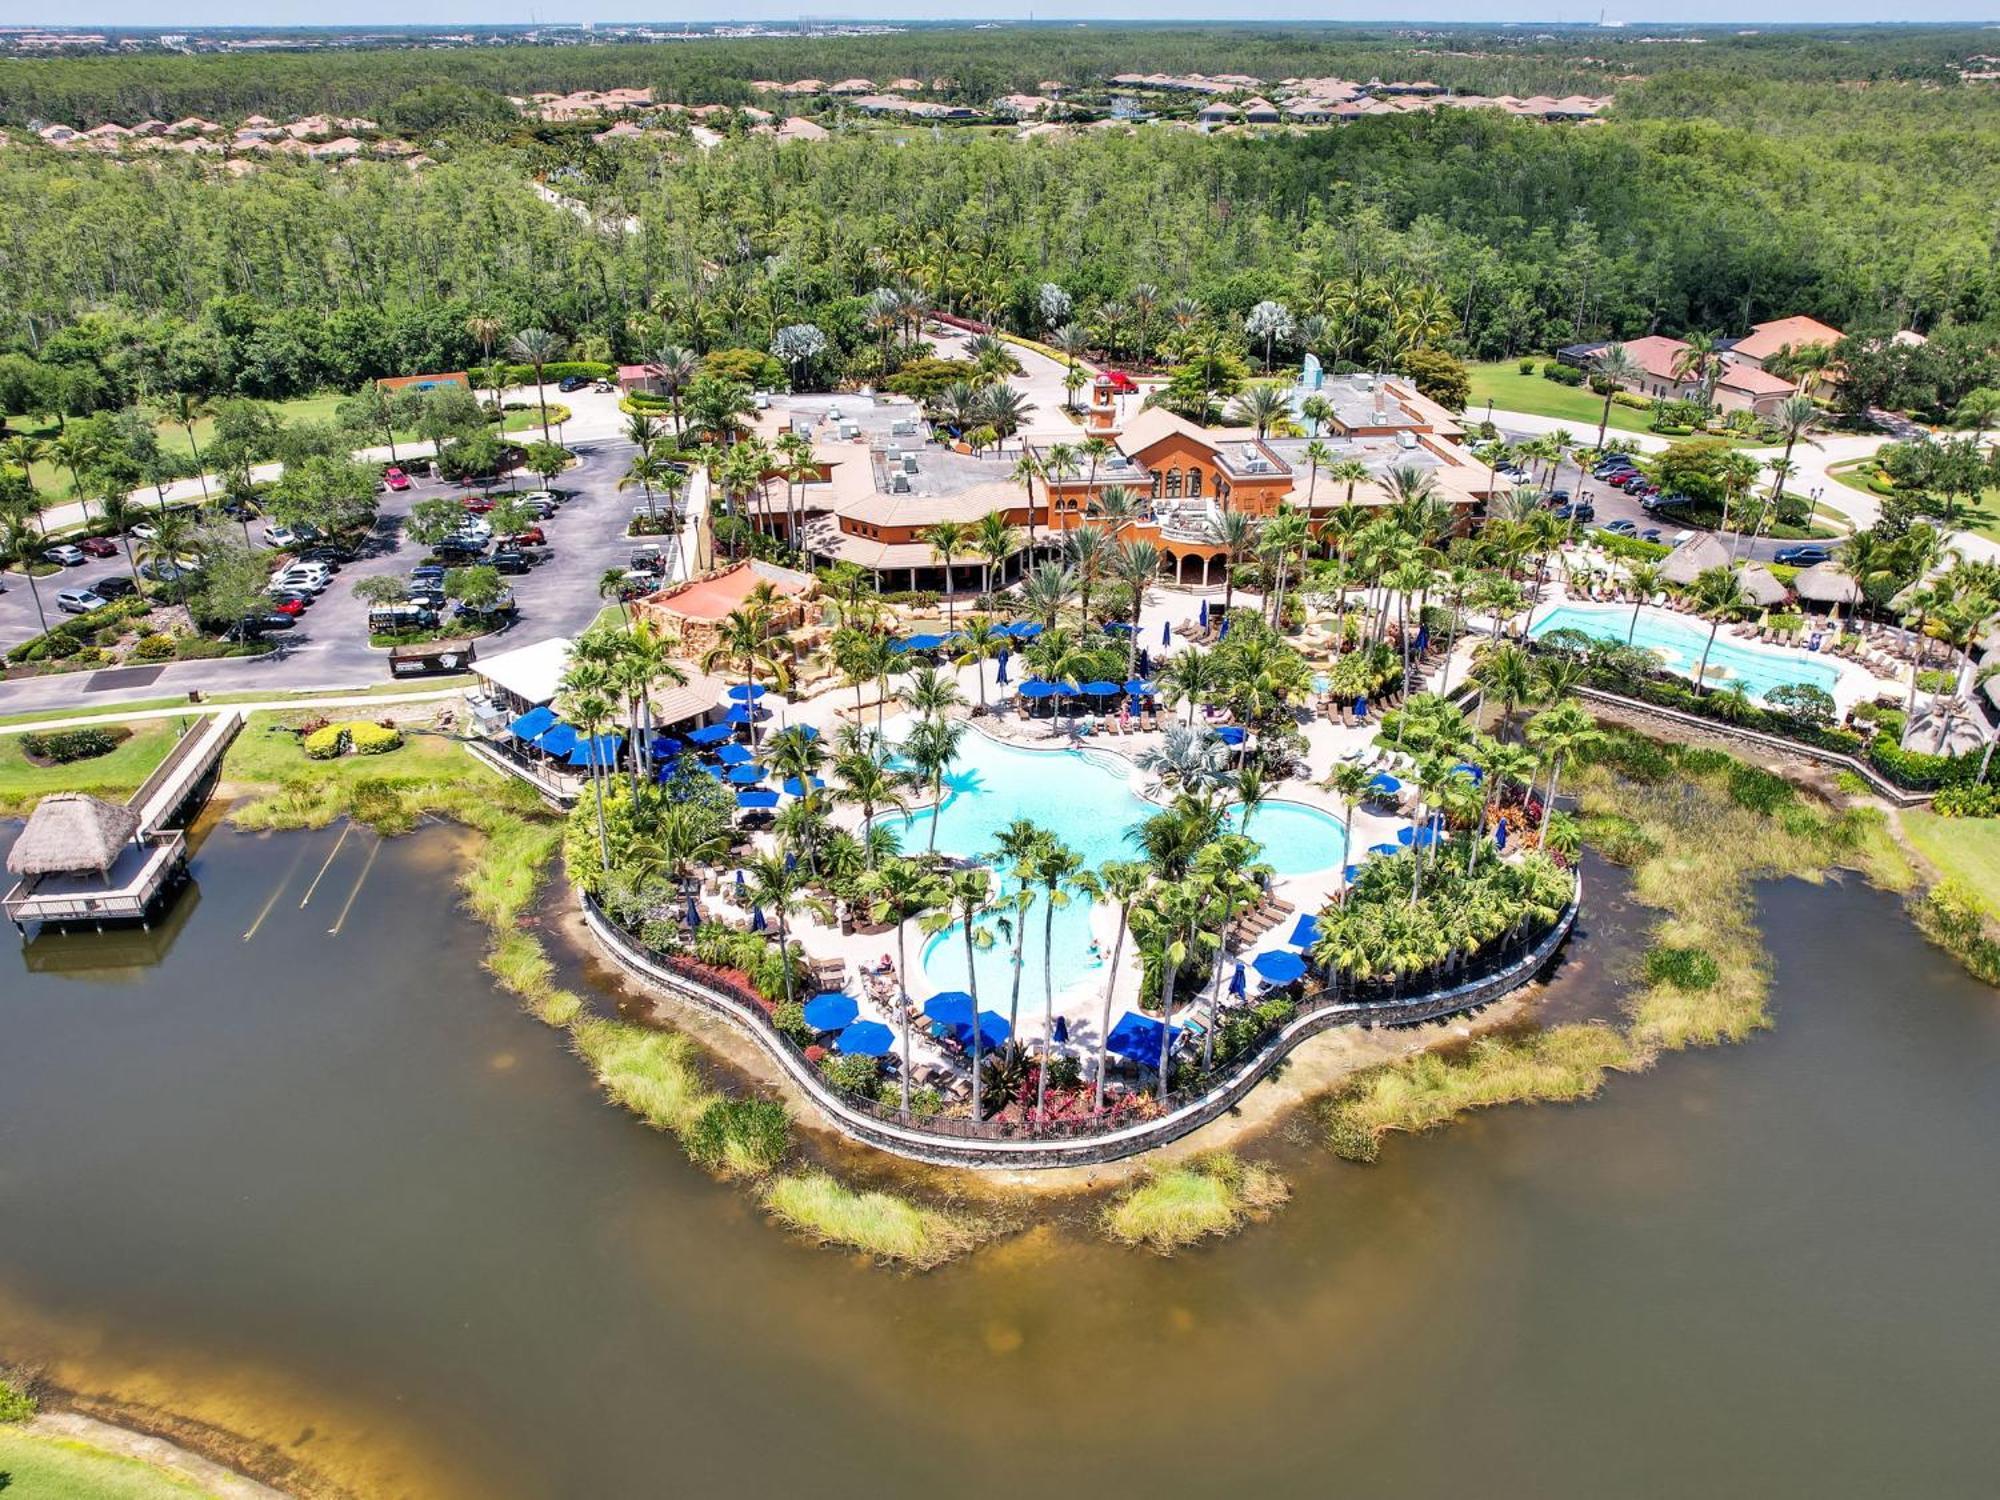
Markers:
point(83, 859)
point(72, 833)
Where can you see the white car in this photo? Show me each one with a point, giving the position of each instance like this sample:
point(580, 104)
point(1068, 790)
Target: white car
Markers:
point(477, 527)
point(538, 497)
point(281, 537)
point(65, 554)
point(308, 578)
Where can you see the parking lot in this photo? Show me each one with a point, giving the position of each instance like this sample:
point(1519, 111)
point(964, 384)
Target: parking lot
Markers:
point(329, 645)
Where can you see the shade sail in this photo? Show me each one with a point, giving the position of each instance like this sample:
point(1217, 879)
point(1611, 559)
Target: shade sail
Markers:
point(865, 1039)
point(1279, 966)
point(558, 740)
point(599, 750)
point(1137, 1037)
point(831, 1011)
point(532, 723)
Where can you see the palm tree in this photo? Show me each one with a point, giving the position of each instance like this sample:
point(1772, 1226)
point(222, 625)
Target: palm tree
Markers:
point(23, 453)
point(1978, 410)
point(1166, 928)
point(965, 897)
point(1045, 591)
point(1118, 507)
point(932, 749)
point(537, 348)
point(1027, 469)
point(1509, 678)
point(76, 451)
point(1136, 565)
point(947, 540)
point(1349, 781)
point(1700, 360)
point(1235, 532)
point(1262, 407)
point(1121, 882)
point(780, 884)
point(1054, 866)
point(1317, 410)
point(589, 710)
point(993, 541)
point(1285, 538)
point(1233, 876)
point(644, 659)
point(979, 642)
point(645, 470)
point(20, 543)
point(675, 368)
point(611, 585)
point(1646, 579)
point(870, 781)
point(184, 410)
point(1014, 848)
point(118, 512)
point(1192, 676)
point(173, 535)
point(1795, 417)
point(1610, 368)
point(486, 328)
point(1563, 731)
point(897, 890)
point(1086, 551)
point(1717, 593)
point(1503, 765)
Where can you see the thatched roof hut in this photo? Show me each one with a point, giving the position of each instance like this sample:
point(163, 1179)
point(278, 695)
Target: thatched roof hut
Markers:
point(71, 833)
point(1693, 558)
point(1824, 583)
point(1760, 585)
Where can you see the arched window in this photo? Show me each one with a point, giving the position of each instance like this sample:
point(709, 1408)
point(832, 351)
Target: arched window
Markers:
point(1194, 484)
point(1173, 484)
point(1156, 486)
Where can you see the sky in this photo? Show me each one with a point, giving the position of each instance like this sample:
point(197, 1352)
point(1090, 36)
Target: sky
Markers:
point(431, 12)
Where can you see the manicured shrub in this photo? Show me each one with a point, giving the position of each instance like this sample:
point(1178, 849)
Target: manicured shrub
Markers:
point(1560, 373)
point(1978, 801)
point(326, 744)
point(373, 739)
point(65, 745)
point(1526, 366)
point(850, 1075)
point(1915, 769)
point(790, 1018)
point(154, 647)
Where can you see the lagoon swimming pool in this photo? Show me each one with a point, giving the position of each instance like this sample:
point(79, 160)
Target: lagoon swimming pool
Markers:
point(1086, 797)
point(1678, 642)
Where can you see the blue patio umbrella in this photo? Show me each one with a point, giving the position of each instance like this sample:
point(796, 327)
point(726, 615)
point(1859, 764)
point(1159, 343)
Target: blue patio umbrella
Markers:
point(1384, 783)
point(1000, 677)
point(532, 723)
point(1239, 981)
point(693, 913)
point(741, 886)
point(805, 731)
point(1278, 966)
point(711, 734)
point(1471, 770)
point(865, 1039)
point(1306, 931)
point(1500, 835)
point(1230, 734)
point(1027, 630)
point(1223, 634)
point(797, 788)
point(952, 1007)
point(1137, 1037)
point(993, 1031)
point(599, 750)
point(746, 775)
point(1423, 639)
point(1417, 838)
point(1204, 614)
point(756, 798)
point(1100, 689)
point(665, 746)
point(1138, 687)
point(740, 715)
point(747, 692)
point(922, 643)
point(1166, 636)
point(1361, 707)
point(557, 741)
point(735, 755)
point(831, 1010)
point(1062, 1031)
point(1034, 687)
point(1348, 875)
point(1385, 848)
point(1118, 627)
point(756, 919)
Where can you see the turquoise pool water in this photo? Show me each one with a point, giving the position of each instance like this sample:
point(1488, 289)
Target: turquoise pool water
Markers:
point(1679, 643)
point(1085, 797)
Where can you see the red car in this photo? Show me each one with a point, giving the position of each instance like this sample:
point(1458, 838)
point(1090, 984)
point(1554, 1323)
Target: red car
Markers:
point(287, 604)
point(396, 479)
point(532, 537)
point(98, 546)
point(478, 504)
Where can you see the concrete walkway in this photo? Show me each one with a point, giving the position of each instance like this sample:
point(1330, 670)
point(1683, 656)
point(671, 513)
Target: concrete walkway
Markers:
point(268, 705)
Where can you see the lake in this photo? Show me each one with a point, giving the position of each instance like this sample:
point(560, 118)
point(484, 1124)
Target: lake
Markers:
point(330, 1190)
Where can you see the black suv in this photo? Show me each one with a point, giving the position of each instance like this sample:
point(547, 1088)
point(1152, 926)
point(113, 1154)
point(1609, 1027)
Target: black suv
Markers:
point(509, 560)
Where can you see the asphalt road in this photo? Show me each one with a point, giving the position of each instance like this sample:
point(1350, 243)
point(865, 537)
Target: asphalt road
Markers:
point(329, 646)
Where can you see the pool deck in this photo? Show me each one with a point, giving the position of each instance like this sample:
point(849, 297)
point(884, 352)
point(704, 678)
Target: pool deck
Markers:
point(1081, 1005)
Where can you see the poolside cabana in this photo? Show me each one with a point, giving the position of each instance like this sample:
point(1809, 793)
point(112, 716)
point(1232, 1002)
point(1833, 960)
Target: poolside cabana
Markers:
point(1825, 583)
point(1760, 586)
point(1693, 558)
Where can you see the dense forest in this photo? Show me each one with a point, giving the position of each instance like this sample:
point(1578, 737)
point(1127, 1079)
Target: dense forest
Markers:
point(1765, 182)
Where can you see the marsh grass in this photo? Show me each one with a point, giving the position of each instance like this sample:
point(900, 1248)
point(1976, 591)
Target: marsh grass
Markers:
point(1174, 1207)
point(1697, 828)
point(883, 1225)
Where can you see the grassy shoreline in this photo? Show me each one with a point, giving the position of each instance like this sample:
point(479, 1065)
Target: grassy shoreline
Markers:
point(1697, 828)
point(1209, 1197)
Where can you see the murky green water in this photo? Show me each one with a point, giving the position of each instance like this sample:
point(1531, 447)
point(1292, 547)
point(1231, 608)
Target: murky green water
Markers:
point(329, 1189)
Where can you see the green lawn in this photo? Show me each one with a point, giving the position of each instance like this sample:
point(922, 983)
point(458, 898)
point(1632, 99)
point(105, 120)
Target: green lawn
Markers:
point(115, 776)
point(1501, 382)
point(1963, 849)
point(56, 1468)
point(1982, 518)
point(269, 758)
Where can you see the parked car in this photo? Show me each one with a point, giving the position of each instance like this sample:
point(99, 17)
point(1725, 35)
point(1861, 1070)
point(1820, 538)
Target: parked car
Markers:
point(533, 536)
point(64, 553)
point(1582, 510)
point(542, 497)
point(271, 619)
point(1650, 534)
point(1560, 497)
point(571, 383)
point(1621, 528)
point(393, 619)
point(502, 605)
point(288, 603)
point(427, 573)
point(395, 478)
point(167, 572)
point(304, 578)
point(459, 550)
point(253, 627)
point(116, 586)
point(333, 554)
point(98, 546)
point(509, 560)
point(1803, 557)
point(78, 601)
point(281, 537)
point(427, 596)
point(478, 505)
